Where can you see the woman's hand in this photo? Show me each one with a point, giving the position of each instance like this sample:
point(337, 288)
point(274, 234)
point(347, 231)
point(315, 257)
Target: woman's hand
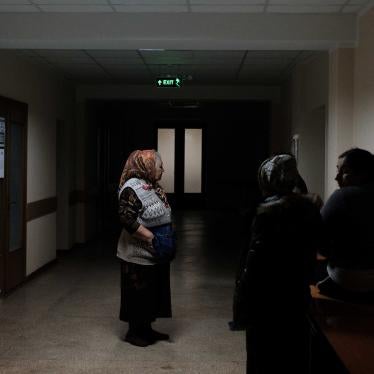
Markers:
point(142, 233)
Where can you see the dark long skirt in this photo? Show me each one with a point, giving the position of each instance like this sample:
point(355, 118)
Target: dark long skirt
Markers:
point(145, 292)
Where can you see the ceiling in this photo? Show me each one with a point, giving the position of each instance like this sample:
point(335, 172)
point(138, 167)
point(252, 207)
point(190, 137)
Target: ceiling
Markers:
point(104, 54)
point(183, 6)
point(196, 67)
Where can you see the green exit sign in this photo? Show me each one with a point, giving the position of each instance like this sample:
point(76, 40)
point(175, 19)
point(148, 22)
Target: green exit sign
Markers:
point(169, 82)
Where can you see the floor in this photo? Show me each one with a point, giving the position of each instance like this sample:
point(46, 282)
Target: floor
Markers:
point(65, 320)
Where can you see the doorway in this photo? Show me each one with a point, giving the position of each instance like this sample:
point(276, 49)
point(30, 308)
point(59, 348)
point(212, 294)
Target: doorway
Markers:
point(182, 147)
point(13, 143)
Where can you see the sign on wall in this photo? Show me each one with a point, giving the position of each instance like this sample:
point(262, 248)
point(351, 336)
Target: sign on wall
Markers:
point(2, 146)
point(169, 82)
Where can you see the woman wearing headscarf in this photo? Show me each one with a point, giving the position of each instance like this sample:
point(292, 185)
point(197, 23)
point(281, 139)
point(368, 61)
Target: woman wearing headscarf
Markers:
point(145, 279)
point(273, 288)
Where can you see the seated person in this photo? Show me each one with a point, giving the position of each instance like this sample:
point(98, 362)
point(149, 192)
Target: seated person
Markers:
point(348, 219)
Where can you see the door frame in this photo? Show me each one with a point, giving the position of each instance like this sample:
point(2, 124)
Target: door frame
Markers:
point(12, 264)
point(179, 198)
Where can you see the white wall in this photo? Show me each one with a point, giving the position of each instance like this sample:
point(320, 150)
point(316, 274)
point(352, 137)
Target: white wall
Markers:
point(308, 95)
point(340, 118)
point(364, 84)
point(41, 242)
point(48, 99)
point(351, 98)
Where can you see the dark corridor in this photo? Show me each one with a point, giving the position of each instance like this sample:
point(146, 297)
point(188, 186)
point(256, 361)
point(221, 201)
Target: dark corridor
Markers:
point(235, 141)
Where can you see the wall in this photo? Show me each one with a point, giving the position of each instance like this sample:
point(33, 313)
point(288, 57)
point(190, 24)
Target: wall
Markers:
point(48, 99)
point(306, 94)
point(364, 84)
point(351, 98)
point(339, 135)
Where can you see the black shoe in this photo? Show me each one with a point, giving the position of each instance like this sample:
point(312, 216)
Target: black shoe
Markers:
point(138, 340)
point(155, 335)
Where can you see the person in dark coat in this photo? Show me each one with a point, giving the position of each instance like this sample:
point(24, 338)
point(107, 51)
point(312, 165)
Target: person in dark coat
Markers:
point(273, 289)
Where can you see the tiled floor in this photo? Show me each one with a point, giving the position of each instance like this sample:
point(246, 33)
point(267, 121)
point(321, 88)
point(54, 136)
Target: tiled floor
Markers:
point(66, 319)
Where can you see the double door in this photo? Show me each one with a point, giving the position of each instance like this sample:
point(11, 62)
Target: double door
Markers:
point(182, 148)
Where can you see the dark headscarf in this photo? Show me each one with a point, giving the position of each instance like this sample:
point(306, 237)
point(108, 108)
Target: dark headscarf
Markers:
point(278, 175)
point(142, 164)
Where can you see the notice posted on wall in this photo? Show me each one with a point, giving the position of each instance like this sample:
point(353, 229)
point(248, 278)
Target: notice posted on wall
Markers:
point(2, 146)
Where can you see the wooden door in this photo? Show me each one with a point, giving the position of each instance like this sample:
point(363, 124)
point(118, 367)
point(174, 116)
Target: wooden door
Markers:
point(13, 144)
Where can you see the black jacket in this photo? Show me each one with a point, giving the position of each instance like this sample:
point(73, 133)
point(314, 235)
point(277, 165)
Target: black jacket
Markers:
point(278, 267)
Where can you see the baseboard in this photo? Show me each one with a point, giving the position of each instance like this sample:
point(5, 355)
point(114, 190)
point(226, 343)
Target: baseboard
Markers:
point(31, 276)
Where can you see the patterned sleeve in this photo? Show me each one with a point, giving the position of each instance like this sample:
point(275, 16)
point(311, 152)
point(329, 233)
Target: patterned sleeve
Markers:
point(129, 209)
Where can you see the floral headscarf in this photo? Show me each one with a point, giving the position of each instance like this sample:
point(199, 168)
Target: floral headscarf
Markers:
point(278, 175)
point(142, 164)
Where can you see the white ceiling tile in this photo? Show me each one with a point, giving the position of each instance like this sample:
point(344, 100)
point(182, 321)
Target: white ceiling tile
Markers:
point(85, 74)
point(25, 52)
point(18, 8)
point(234, 55)
point(170, 69)
point(358, 2)
point(125, 68)
point(118, 61)
point(76, 8)
point(105, 53)
point(151, 8)
point(132, 76)
point(136, 78)
point(148, 2)
point(124, 72)
point(75, 60)
point(227, 2)
point(218, 62)
point(227, 8)
point(352, 9)
point(218, 59)
point(167, 61)
point(77, 67)
point(272, 54)
point(303, 9)
point(167, 57)
point(60, 53)
point(80, 67)
point(263, 64)
point(258, 68)
point(215, 69)
point(307, 2)
point(166, 54)
point(70, 2)
point(37, 60)
point(15, 2)
point(258, 73)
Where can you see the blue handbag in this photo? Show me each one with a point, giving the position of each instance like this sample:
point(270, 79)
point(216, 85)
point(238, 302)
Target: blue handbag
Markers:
point(164, 242)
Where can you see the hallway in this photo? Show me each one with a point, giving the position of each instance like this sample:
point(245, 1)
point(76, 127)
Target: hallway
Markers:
point(65, 320)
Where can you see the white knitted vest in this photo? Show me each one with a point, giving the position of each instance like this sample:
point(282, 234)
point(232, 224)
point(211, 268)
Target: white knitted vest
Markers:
point(153, 213)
